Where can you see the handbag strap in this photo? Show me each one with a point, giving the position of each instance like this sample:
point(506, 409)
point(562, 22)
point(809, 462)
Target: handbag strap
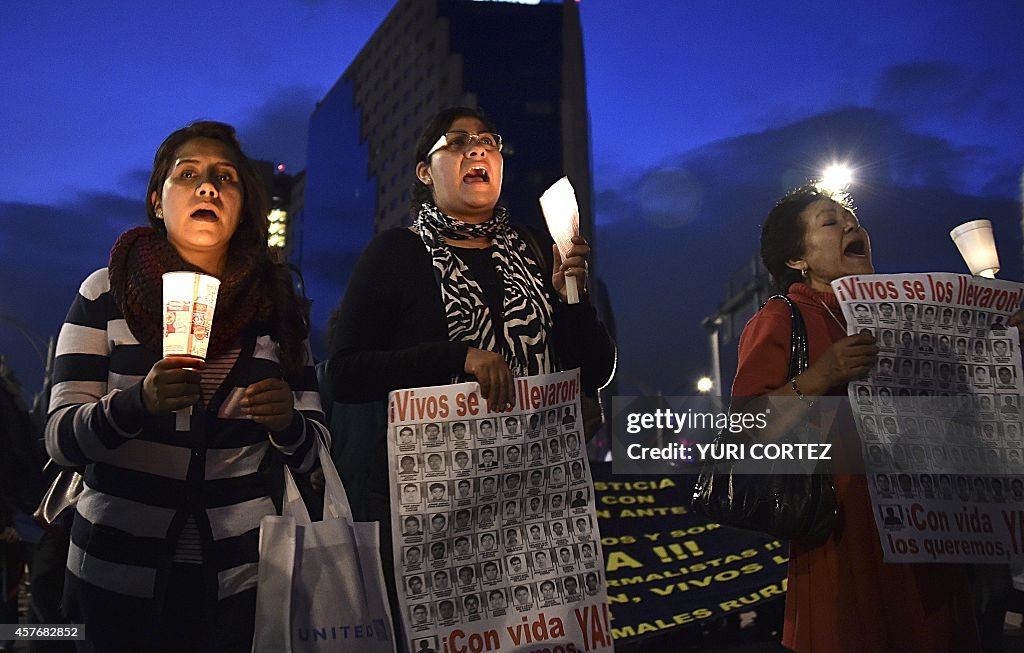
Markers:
point(798, 353)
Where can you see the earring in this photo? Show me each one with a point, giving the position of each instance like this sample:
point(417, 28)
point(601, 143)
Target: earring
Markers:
point(160, 213)
point(803, 272)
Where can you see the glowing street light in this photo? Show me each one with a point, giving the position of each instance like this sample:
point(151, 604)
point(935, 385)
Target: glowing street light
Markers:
point(836, 178)
point(704, 384)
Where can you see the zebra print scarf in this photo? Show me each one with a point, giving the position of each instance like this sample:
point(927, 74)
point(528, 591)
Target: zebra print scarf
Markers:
point(525, 338)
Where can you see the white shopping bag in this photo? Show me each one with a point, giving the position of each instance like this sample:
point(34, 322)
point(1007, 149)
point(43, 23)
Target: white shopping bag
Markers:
point(321, 586)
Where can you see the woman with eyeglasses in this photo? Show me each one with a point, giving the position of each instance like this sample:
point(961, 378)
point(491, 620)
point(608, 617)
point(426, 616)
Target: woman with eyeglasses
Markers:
point(460, 295)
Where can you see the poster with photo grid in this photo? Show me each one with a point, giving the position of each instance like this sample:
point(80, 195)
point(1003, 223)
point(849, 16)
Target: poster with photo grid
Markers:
point(939, 416)
point(493, 522)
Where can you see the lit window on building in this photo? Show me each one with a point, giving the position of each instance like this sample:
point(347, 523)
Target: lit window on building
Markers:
point(278, 228)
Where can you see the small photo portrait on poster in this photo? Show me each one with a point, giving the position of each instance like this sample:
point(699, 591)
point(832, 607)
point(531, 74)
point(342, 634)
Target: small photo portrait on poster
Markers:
point(516, 567)
point(572, 444)
point(535, 506)
point(1001, 350)
point(885, 367)
point(946, 319)
point(485, 431)
point(555, 452)
point(471, 607)
point(438, 552)
point(556, 476)
point(437, 492)
point(1005, 378)
point(488, 486)
point(485, 515)
point(513, 457)
point(571, 586)
point(542, 561)
point(580, 498)
point(490, 573)
point(511, 512)
point(548, 593)
point(462, 547)
point(981, 376)
point(928, 315)
point(556, 504)
point(862, 314)
point(569, 417)
point(462, 461)
point(965, 319)
point(441, 582)
point(522, 597)
point(511, 428)
point(466, 576)
point(446, 611)
point(488, 459)
point(411, 526)
point(909, 314)
point(592, 582)
point(536, 454)
point(581, 525)
point(434, 465)
point(886, 312)
point(420, 615)
point(512, 485)
point(410, 494)
point(438, 525)
point(426, 645)
point(513, 538)
point(883, 485)
point(464, 490)
point(432, 435)
point(497, 602)
point(536, 533)
point(566, 557)
point(414, 586)
point(559, 531)
point(463, 520)
point(533, 424)
point(577, 474)
point(461, 437)
point(406, 439)
point(488, 544)
point(535, 481)
point(412, 557)
point(408, 467)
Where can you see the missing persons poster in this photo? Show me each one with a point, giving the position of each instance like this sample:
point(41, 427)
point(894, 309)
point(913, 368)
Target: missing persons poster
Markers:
point(495, 535)
point(939, 416)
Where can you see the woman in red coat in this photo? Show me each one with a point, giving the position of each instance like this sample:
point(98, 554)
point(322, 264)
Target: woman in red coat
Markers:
point(841, 595)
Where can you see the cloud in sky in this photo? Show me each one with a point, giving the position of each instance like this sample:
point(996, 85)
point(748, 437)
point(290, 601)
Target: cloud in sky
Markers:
point(48, 252)
point(277, 129)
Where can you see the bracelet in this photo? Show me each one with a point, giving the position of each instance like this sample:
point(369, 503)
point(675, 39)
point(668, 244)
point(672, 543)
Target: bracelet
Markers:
point(799, 394)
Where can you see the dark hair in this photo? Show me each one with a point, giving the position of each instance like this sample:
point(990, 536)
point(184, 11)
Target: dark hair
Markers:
point(782, 235)
point(439, 124)
point(288, 322)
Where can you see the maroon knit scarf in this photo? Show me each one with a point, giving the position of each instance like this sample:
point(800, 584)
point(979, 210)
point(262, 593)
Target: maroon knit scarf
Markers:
point(137, 264)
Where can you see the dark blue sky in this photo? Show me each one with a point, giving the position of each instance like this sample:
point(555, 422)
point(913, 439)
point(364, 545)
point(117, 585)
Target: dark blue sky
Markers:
point(701, 115)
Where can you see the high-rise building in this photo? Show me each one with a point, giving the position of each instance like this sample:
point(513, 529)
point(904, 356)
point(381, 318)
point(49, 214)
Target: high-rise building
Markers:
point(522, 64)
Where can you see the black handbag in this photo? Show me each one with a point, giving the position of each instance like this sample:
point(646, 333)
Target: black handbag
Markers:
point(792, 507)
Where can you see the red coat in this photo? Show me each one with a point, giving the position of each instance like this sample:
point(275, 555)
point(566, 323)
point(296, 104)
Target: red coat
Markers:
point(841, 595)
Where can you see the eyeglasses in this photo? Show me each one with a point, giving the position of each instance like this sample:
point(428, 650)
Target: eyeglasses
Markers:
point(459, 142)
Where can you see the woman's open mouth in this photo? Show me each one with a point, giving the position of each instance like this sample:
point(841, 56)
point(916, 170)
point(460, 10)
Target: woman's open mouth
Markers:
point(477, 175)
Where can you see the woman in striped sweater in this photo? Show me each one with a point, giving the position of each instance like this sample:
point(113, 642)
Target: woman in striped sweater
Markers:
point(164, 545)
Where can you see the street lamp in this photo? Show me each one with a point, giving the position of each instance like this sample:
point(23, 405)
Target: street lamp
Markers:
point(836, 178)
point(704, 384)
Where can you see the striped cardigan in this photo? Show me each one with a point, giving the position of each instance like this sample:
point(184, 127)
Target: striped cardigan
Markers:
point(142, 477)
